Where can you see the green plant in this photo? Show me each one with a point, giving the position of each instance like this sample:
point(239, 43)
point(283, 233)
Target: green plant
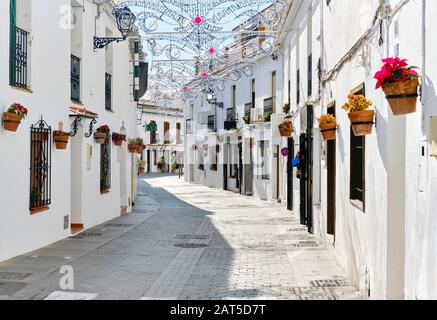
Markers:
point(142, 164)
point(139, 142)
point(267, 117)
point(104, 129)
point(246, 119)
point(286, 108)
point(18, 109)
point(35, 195)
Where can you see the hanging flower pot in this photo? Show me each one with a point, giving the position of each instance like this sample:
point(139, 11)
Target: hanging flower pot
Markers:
point(140, 145)
point(118, 139)
point(132, 146)
point(400, 84)
point(12, 118)
point(102, 133)
point(286, 127)
point(361, 118)
point(328, 127)
point(402, 96)
point(61, 139)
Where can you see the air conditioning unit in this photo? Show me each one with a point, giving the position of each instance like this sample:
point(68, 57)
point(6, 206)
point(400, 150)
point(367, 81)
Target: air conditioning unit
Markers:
point(256, 115)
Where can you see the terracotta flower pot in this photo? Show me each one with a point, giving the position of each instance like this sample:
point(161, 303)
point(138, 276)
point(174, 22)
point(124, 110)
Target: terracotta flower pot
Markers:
point(328, 130)
point(140, 149)
point(100, 137)
point(11, 121)
point(118, 143)
point(142, 170)
point(132, 148)
point(61, 140)
point(402, 96)
point(362, 122)
point(285, 132)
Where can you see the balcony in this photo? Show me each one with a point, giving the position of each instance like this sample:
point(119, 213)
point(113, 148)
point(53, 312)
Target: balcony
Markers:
point(75, 79)
point(108, 92)
point(18, 75)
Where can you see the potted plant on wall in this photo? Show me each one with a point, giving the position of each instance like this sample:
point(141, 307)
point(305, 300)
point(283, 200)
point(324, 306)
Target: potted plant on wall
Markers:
point(286, 108)
point(61, 139)
point(267, 117)
point(246, 120)
point(142, 166)
point(400, 83)
point(12, 118)
point(118, 139)
point(132, 145)
point(140, 145)
point(286, 127)
point(359, 114)
point(102, 133)
point(328, 126)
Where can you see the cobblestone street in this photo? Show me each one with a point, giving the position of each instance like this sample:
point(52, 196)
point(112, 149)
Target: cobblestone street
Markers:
point(184, 242)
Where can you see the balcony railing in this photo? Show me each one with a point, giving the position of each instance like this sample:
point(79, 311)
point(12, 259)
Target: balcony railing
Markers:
point(18, 62)
point(75, 78)
point(108, 91)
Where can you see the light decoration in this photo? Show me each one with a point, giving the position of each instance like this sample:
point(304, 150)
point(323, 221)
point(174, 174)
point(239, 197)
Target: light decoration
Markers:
point(201, 44)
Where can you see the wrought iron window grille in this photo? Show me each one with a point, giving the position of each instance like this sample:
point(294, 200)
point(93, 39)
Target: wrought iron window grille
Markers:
point(40, 165)
point(105, 166)
point(75, 78)
point(18, 62)
point(108, 91)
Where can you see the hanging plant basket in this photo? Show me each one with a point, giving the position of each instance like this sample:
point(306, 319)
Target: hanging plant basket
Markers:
point(61, 139)
point(329, 131)
point(140, 149)
point(402, 96)
point(285, 132)
point(118, 143)
point(362, 122)
point(11, 121)
point(100, 137)
point(132, 148)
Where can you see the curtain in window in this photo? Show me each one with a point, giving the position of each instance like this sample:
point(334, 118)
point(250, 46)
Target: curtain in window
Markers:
point(12, 39)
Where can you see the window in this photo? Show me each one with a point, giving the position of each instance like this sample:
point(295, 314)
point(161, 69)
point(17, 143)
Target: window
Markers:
point(178, 133)
point(268, 106)
point(19, 43)
point(76, 49)
point(247, 109)
point(263, 160)
point(274, 92)
point(153, 135)
point(233, 160)
point(357, 163)
point(234, 102)
point(166, 133)
point(310, 75)
point(211, 123)
point(40, 166)
point(105, 166)
point(298, 87)
point(213, 158)
point(230, 114)
point(253, 93)
point(109, 54)
point(155, 158)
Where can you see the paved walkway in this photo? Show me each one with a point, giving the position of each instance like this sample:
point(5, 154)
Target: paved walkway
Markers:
point(184, 242)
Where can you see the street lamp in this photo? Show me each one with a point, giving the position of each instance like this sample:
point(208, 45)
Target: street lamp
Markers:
point(213, 100)
point(125, 22)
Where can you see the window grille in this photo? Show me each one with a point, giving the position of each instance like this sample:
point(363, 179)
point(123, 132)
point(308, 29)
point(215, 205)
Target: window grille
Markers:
point(105, 165)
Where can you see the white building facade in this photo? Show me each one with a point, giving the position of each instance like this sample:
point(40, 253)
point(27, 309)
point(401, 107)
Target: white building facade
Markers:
point(55, 72)
point(376, 218)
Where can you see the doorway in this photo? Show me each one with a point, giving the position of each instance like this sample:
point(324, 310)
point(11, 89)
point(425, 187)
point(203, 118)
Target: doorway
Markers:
point(290, 191)
point(306, 181)
point(331, 180)
point(248, 168)
point(240, 167)
point(77, 172)
point(278, 176)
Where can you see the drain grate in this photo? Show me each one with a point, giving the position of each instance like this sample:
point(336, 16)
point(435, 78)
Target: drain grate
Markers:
point(14, 275)
point(298, 229)
point(191, 237)
point(311, 293)
point(90, 234)
point(305, 244)
point(119, 225)
point(190, 245)
point(328, 283)
point(9, 288)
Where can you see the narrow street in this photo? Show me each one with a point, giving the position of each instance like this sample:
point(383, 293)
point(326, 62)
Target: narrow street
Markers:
point(184, 242)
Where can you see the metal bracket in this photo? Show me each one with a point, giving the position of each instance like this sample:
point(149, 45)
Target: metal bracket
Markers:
point(91, 128)
point(75, 126)
point(100, 43)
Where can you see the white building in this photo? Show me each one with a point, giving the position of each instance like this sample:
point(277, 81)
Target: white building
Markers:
point(163, 131)
point(376, 218)
point(57, 74)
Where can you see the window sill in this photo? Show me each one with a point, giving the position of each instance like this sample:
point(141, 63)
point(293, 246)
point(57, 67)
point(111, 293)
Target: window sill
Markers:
point(21, 89)
point(77, 102)
point(109, 110)
point(38, 210)
point(358, 204)
point(103, 192)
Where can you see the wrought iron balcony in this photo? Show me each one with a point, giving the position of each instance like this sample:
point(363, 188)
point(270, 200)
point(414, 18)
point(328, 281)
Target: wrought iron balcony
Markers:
point(75, 78)
point(108, 91)
point(18, 60)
